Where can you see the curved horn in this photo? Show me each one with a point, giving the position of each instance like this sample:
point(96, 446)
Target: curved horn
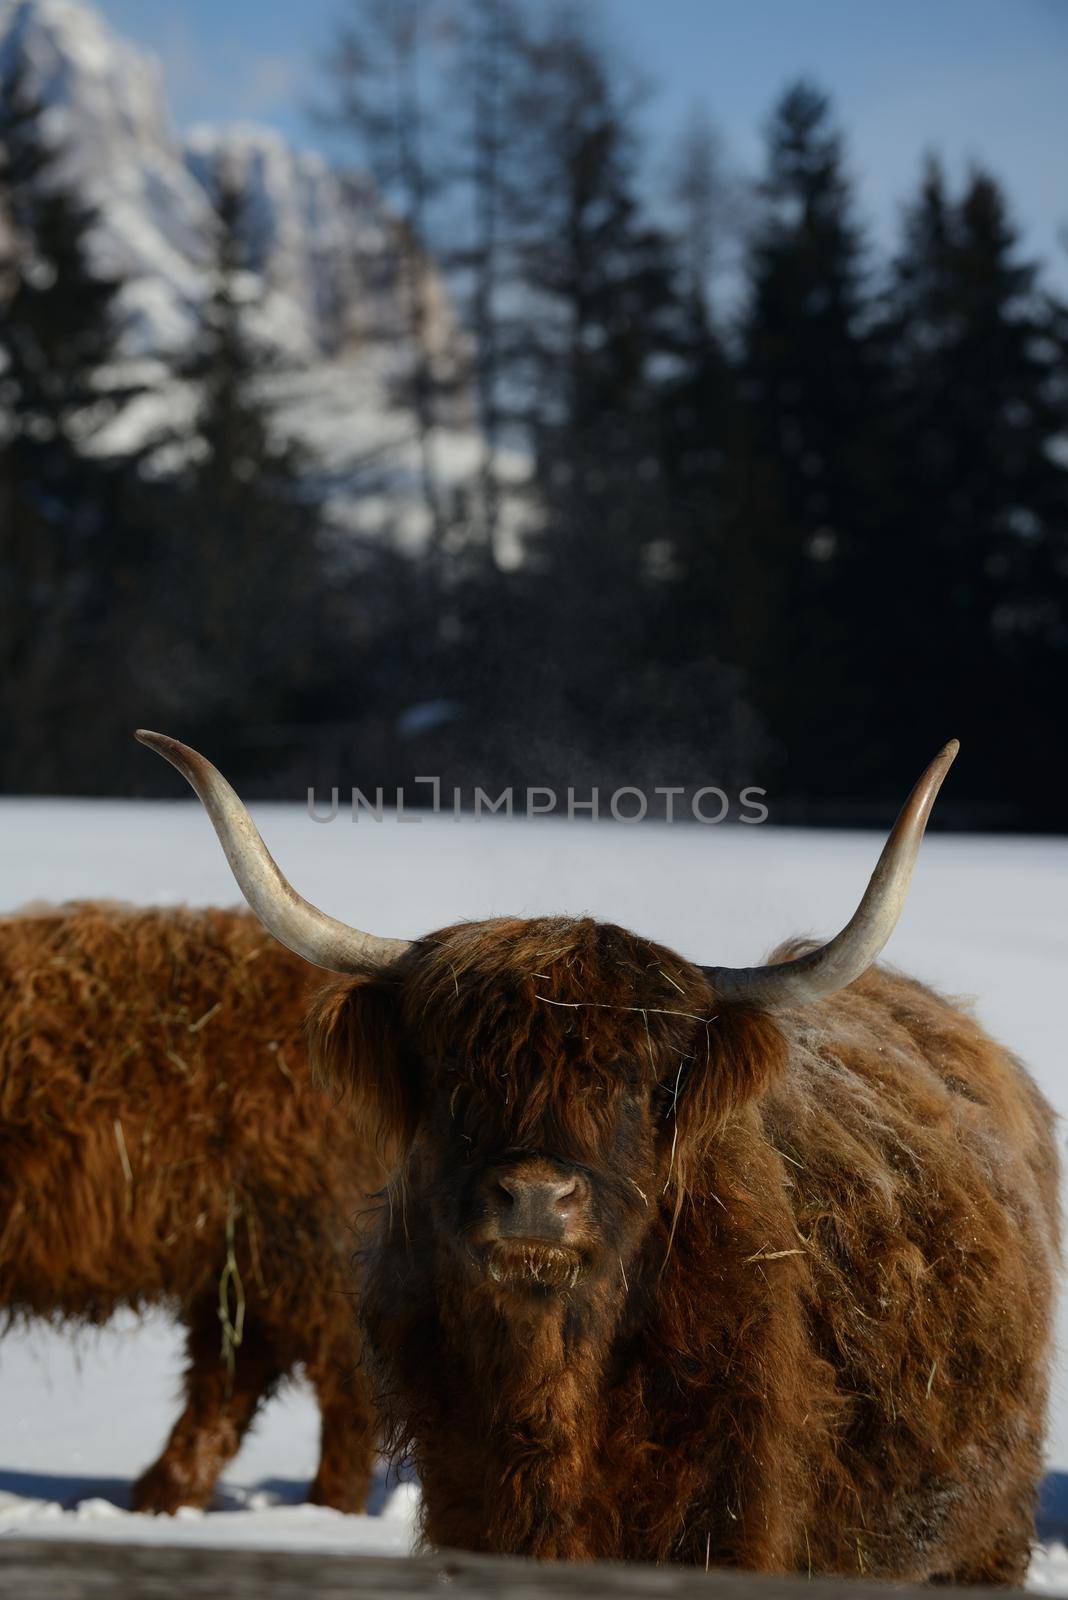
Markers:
point(852, 951)
point(293, 921)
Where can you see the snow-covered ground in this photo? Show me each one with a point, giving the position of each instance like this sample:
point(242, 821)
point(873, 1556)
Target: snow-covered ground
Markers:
point(79, 1417)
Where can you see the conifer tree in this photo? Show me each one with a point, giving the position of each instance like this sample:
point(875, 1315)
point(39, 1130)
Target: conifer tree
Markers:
point(980, 482)
point(242, 525)
point(602, 302)
point(489, 180)
point(699, 399)
point(383, 57)
point(603, 317)
point(807, 466)
point(59, 522)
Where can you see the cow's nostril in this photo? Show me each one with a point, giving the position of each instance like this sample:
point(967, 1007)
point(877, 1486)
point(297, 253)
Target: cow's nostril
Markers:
point(535, 1206)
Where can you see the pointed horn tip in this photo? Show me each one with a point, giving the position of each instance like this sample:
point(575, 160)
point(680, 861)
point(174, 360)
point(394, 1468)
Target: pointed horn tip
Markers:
point(942, 762)
point(164, 745)
point(182, 757)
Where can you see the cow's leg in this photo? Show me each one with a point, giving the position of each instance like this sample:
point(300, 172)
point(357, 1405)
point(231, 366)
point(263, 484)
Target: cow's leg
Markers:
point(347, 1432)
point(219, 1405)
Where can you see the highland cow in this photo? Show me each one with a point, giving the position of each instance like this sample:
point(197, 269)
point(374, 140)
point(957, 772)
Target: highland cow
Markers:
point(161, 1144)
point(726, 1267)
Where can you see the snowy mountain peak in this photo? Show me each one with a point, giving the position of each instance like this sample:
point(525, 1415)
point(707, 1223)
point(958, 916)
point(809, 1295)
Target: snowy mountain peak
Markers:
point(106, 112)
point(309, 233)
point(90, 79)
point(319, 243)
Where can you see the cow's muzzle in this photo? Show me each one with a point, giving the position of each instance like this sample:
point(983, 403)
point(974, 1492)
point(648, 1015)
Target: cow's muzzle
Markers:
point(534, 1222)
point(535, 1201)
point(537, 1208)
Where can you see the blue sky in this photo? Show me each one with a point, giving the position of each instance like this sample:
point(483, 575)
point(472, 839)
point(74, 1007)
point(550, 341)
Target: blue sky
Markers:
point(979, 80)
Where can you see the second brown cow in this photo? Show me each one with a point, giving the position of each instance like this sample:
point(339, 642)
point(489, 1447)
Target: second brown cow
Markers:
point(161, 1144)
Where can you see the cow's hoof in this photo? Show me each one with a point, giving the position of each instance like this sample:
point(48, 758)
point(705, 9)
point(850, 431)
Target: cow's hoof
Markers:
point(163, 1490)
point(348, 1497)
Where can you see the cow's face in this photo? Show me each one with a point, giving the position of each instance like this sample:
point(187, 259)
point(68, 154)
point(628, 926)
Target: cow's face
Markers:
point(541, 1086)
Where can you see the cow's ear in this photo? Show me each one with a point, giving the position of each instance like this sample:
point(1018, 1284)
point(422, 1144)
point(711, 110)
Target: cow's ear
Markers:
point(737, 1054)
point(354, 1041)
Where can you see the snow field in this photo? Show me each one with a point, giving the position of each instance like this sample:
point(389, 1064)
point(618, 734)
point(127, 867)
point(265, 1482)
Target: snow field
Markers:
point(82, 1415)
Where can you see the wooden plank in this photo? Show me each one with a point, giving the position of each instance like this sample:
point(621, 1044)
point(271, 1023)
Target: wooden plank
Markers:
point(61, 1569)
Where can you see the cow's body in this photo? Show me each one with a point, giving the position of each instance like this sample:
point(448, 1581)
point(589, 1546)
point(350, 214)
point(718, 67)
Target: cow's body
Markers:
point(748, 1266)
point(838, 1362)
point(157, 1122)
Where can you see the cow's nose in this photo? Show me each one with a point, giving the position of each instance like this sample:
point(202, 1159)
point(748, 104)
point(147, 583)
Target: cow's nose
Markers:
point(537, 1207)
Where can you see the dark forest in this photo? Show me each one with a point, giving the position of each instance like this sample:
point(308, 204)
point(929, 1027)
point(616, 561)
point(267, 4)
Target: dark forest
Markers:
point(793, 522)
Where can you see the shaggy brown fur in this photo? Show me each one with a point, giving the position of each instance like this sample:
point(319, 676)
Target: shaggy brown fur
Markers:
point(807, 1325)
point(157, 1122)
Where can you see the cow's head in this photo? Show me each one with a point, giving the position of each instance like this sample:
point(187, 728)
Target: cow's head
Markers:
point(541, 1084)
